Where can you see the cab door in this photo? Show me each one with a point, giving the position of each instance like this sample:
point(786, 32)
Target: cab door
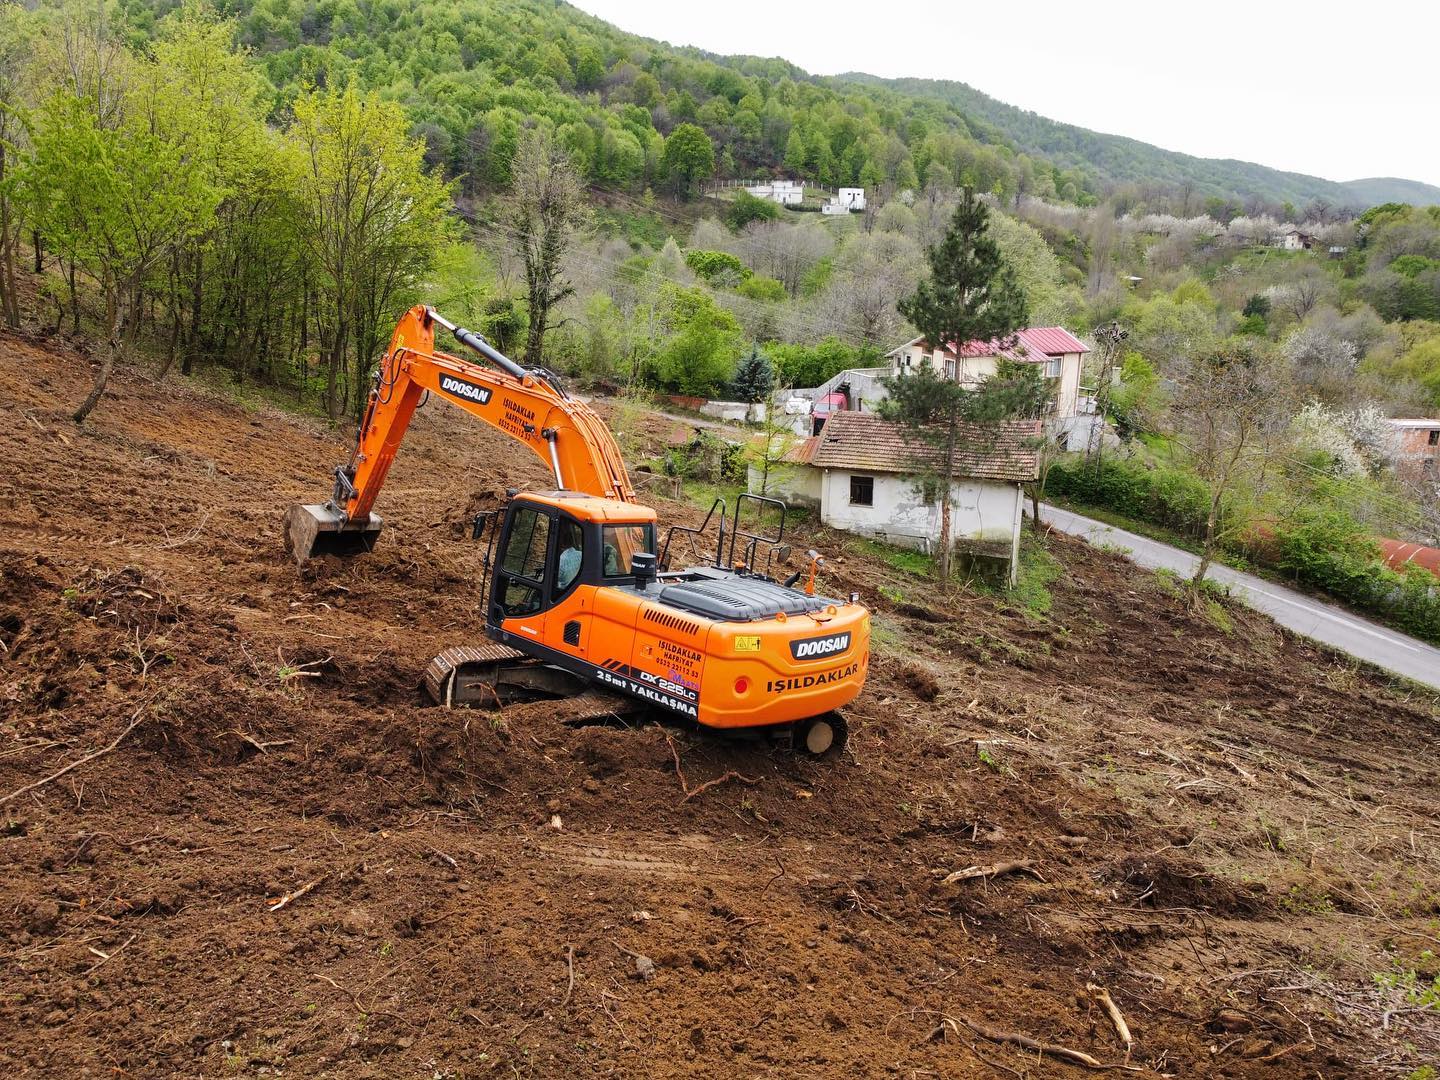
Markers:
point(518, 596)
point(541, 577)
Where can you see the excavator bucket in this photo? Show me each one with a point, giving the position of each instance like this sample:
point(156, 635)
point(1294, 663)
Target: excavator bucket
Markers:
point(312, 530)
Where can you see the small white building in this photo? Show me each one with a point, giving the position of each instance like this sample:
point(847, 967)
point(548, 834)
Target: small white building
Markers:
point(784, 192)
point(1293, 240)
point(847, 200)
point(860, 472)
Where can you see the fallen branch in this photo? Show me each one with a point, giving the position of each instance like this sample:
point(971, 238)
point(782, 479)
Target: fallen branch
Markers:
point(263, 747)
point(173, 544)
point(290, 898)
point(993, 870)
point(106, 957)
point(135, 721)
point(570, 965)
point(1122, 1029)
point(729, 774)
point(1025, 1042)
point(1303, 1047)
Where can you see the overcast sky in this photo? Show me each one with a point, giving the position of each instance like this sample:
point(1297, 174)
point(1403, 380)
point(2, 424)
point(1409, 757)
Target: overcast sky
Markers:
point(1339, 92)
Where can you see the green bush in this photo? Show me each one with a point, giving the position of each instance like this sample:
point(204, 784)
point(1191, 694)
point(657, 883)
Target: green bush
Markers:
point(1330, 550)
point(747, 208)
point(1171, 497)
point(759, 287)
point(717, 267)
point(811, 365)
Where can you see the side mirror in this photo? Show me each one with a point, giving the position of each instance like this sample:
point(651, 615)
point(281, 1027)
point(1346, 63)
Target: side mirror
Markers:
point(783, 553)
point(478, 526)
point(642, 565)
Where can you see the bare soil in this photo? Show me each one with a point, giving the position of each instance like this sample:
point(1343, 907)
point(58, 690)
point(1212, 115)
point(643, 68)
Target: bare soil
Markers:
point(1232, 830)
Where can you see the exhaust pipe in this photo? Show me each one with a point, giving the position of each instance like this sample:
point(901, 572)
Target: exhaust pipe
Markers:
point(313, 530)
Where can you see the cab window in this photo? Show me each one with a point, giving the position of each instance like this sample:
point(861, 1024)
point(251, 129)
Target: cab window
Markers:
point(623, 541)
point(522, 567)
point(525, 550)
point(571, 548)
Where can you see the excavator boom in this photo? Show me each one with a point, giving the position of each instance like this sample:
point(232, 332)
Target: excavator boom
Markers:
point(528, 405)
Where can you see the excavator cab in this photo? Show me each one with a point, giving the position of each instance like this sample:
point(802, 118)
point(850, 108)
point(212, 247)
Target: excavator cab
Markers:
point(552, 544)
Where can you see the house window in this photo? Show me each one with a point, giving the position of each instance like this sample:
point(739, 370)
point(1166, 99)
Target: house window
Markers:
point(1052, 367)
point(1435, 438)
point(950, 369)
point(862, 491)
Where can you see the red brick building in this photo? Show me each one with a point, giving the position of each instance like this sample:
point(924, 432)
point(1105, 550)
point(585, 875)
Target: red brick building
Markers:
point(1415, 448)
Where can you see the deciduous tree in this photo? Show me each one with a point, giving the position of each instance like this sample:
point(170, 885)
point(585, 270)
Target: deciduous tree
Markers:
point(689, 156)
point(370, 216)
point(547, 209)
point(1229, 411)
point(118, 195)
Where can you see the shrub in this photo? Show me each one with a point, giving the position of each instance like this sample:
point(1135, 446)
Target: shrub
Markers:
point(811, 365)
point(1171, 497)
point(758, 287)
point(717, 267)
point(747, 208)
point(1330, 550)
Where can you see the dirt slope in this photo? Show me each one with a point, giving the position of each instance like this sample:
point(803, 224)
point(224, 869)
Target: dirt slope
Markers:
point(1230, 830)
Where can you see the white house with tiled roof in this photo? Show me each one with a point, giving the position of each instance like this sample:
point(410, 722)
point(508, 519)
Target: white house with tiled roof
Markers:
point(860, 472)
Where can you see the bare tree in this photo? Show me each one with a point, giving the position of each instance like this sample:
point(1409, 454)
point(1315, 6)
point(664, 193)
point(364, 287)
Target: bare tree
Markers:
point(872, 272)
point(784, 251)
point(1302, 291)
point(547, 208)
point(1230, 412)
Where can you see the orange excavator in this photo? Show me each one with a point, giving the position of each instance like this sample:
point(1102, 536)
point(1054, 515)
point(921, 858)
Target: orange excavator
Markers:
point(580, 600)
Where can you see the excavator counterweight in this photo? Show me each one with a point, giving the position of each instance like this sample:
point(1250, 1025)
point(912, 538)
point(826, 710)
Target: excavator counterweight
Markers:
point(577, 603)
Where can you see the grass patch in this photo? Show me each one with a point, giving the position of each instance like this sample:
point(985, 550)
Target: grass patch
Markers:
point(1421, 991)
point(905, 560)
point(1038, 569)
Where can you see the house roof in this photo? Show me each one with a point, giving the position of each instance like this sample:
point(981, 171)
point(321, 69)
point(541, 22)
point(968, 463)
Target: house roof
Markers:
point(1407, 423)
point(1051, 340)
point(803, 452)
point(1030, 344)
point(863, 441)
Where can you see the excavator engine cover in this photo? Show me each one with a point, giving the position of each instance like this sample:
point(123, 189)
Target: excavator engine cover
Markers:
point(313, 529)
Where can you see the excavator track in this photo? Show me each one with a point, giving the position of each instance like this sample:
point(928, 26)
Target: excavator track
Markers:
point(492, 676)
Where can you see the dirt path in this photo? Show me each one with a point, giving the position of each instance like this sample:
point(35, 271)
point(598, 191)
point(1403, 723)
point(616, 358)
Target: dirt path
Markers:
point(1232, 831)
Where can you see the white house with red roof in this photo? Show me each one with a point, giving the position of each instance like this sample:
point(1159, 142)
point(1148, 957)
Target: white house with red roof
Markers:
point(972, 362)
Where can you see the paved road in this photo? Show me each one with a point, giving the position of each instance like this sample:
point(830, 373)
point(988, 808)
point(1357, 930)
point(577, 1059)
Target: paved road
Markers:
point(1330, 625)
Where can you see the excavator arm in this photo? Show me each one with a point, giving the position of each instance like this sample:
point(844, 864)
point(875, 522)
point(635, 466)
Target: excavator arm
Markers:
point(528, 405)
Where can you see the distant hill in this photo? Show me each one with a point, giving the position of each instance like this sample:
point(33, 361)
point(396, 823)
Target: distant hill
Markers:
point(1120, 160)
point(1383, 189)
point(472, 74)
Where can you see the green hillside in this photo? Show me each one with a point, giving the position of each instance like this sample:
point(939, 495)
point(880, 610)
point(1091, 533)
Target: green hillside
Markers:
point(1110, 160)
point(472, 73)
point(1386, 189)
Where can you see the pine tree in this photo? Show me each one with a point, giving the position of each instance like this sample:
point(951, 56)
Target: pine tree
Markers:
point(754, 377)
point(972, 295)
